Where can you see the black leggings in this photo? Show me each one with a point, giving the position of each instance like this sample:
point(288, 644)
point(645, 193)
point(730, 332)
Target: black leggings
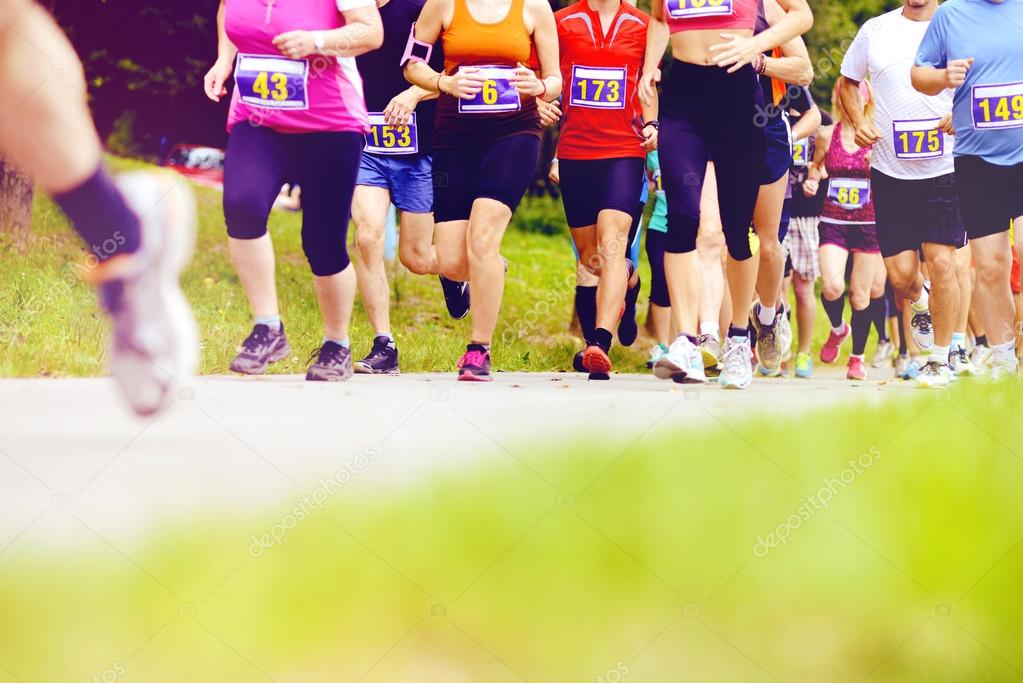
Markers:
point(260, 160)
point(655, 243)
point(709, 113)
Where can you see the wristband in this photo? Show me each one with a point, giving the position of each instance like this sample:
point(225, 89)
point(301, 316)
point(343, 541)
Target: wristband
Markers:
point(760, 64)
point(653, 122)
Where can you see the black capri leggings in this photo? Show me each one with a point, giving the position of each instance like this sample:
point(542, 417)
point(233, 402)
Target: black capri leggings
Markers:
point(711, 113)
point(260, 160)
point(655, 243)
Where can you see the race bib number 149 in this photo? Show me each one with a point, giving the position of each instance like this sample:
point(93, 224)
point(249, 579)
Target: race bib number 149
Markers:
point(997, 106)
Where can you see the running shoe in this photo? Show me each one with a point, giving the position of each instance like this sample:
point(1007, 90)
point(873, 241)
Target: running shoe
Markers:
point(784, 326)
point(655, 355)
point(1002, 367)
point(382, 359)
point(934, 375)
point(683, 363)
point(474, 366)
point(961, 364)
point(804, 365)
point(737, 364)
point(855, 369)
point(710, 350)
point(333, 364)
point(154, 342)
point(883, 355)
point(832, 347)
point(577, 362)
point(769, 348)
point(456, 296)
point(907, 368)
point(923, 330)
point(980, 356)
point(262, 347)
point(597, 363)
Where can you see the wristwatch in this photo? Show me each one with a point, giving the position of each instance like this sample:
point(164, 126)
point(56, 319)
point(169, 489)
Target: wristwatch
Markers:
point(319, 42)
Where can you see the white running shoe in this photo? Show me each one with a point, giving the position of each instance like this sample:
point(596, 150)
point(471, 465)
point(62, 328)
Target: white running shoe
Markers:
point(784, 326)
point(934, 375)
point(883, 355)
point(154, 342)
point(980, 356)
point(923, 329)
point(961, 364)
point(683, 363)
point(737, 364)
point(1002, 367)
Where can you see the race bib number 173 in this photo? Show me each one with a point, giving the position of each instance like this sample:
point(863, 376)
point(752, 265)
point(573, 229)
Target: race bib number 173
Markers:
point(598, 87)
point(997, 106)
point(273, 82)
point(692, 9)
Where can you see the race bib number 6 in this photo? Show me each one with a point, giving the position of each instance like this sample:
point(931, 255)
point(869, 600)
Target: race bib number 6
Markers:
point(692, 9)
point(849, 193)
point(598, 87)
point(394, 140)
point(997, 106)
point(497, 95)
point(918, 139)
point(273, 82)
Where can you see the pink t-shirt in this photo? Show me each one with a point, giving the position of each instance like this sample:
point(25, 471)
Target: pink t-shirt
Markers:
point(316, 94)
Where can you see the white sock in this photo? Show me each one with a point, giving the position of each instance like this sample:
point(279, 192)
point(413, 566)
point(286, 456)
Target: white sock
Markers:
point(711, 330)
point(958, 341)
point(1004, 351)
point(921, 304)
point(839, 330)
point(385, 334)
point(766, 315)
point(939, 354)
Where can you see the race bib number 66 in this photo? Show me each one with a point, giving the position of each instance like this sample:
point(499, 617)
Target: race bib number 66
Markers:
point(849, 193)
point(497, 94)
point(273, 82)
point(997, 106)
point(692, 9)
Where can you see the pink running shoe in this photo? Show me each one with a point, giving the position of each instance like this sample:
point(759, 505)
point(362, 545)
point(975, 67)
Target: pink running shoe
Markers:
point(474, 366)
point(829, 352)
point(856, 369)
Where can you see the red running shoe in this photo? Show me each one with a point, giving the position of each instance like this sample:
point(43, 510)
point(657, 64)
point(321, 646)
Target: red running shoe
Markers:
point(831, 348)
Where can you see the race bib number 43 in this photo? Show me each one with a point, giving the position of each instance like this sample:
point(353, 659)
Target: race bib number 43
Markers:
point(691, 9)
point(918, 139)
point(385, 139)
point(273, 82)
point(849, 193)
point(997, 106)
point(598, 87)
point(497, 95)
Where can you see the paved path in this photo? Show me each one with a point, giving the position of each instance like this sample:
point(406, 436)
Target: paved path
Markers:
point(233, 443)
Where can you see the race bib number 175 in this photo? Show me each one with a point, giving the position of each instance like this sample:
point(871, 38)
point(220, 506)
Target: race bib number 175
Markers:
point(918, 139)
point(273, 82)
point(997, 106)
point(692, 9)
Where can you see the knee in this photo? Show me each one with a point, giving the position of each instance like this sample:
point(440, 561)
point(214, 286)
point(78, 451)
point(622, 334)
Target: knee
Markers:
point(369, 242)
point(682, 231)
point(416, 259)
point(941, 265)
point(902, 279)
point(245, 218)
point(859, 300)
point(832, 288)
point(327, 253)
point(994, 269)
point(770, 249)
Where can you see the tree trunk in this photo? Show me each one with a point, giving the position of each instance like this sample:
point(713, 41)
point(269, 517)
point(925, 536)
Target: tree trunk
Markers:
point(15, 199)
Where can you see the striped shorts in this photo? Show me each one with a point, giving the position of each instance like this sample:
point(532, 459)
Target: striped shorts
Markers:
point(800, 246)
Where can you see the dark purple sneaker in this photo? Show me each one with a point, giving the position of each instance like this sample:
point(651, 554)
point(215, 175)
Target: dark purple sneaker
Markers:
point(456, 297)
point(333, 364)
point(262, 347)
point(474, 366)
point(382, 359)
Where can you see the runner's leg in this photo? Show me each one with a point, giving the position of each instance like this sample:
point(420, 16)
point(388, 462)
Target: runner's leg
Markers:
point(369, 213)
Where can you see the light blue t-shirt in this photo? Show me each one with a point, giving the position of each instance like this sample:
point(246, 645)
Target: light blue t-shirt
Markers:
point(988, 108)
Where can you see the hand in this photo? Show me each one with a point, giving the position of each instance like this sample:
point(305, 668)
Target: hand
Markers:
point(465, 84)
point(650, 135)
point(398, 111)
point(296, 44)
point(867, 135)
point(955, 72)
point(526, 82)
point(811, 186)
point(216, 77)
point(648, 86)
point(550, 112)
point(554, 175)
point(946, 126)
point(736, 52)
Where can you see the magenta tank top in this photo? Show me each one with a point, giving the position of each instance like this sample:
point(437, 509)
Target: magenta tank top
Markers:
point(849, 198)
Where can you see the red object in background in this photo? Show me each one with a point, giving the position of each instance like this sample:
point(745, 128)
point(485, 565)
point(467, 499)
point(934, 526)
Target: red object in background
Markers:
point(202, 165)
point(1014, 277)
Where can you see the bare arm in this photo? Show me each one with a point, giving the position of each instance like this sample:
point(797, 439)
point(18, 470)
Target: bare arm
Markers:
point(363, 32)
point(432, 19)
point(932, 81)
point(657, 38)
point(216, 77)
point(794, 66)
point(737, 50)
point(545, 37)
point(807, 124)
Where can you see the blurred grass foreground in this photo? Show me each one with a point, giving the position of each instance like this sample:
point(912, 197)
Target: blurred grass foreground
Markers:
point(863, 544)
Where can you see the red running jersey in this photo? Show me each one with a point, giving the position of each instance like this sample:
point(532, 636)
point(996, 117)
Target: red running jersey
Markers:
point(601, 74)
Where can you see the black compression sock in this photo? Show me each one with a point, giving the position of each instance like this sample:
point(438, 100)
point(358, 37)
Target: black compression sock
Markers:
point(879, 316)
point(835, 310)
point(734, 331)
point(602, 338)
point(101, 216)
point(586, 309)
point(860, 330)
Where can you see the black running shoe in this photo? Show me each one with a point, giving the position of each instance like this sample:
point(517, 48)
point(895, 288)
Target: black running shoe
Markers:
point(628, 330)
point(333, 364)
point(577, 362)
point(262, 347)
point(382, 359)
point(456, 296)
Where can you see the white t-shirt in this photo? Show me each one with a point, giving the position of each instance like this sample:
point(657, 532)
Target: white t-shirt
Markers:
point(885, 49)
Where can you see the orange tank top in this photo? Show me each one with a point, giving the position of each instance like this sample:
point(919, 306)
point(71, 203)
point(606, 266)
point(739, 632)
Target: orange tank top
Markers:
point(468, 42)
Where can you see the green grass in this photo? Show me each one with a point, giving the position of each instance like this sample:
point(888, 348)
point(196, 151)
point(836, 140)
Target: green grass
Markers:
point(644, 560)
point(50, 324)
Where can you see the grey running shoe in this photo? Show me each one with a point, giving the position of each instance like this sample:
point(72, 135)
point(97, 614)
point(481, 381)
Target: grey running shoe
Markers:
point(769, 349)
point(154, 342)
point(737, 368)
point(884, 354)
point(333, 364)
point(262, 347)
point(710, 350)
